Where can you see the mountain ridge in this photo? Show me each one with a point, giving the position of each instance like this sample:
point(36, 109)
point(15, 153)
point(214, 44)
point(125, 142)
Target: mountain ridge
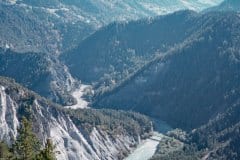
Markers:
point(226, 46)
point(76, 134)
point(55, 27)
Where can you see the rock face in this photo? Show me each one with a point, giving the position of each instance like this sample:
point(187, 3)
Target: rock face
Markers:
point(50, 121)
point(9, 121)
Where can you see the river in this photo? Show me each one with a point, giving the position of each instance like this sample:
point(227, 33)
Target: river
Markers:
point(77, 94)
point(146, 148)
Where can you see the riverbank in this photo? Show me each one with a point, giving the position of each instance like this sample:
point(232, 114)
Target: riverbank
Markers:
point(78, 95)
point(146, 148)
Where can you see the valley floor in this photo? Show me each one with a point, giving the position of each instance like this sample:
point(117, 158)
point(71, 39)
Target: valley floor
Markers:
point(78, 95)
point(146, 149)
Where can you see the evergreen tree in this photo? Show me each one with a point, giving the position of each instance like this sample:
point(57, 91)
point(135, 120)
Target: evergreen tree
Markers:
point(48, 152)
point(27, 145)
point(5, 152)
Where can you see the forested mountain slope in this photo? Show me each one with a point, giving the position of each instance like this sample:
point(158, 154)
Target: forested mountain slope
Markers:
point(54, 27)
point(199, 76)
point(121, 48)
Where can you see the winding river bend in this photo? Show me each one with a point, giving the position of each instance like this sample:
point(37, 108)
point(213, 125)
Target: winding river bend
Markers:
point(146, 149)
point(77, 94)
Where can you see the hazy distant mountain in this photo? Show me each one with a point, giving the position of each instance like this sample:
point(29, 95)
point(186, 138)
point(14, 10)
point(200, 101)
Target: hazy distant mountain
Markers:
point(57, 25)
point(227, 5)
